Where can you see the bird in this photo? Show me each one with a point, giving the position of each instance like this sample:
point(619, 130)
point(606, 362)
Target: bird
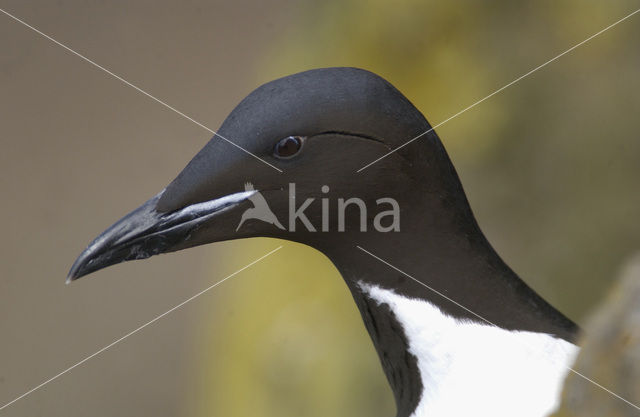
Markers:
point(457, 331)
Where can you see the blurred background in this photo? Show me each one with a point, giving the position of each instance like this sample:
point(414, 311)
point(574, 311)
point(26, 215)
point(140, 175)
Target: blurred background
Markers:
point(550, 166)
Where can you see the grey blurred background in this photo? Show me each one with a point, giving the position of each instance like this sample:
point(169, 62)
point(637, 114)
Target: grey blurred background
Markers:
point(550, 166)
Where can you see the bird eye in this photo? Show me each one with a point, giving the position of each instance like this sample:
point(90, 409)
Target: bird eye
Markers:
point(288, 147)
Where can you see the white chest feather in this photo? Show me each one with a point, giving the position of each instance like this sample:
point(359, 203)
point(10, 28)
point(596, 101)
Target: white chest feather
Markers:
point(472, 369)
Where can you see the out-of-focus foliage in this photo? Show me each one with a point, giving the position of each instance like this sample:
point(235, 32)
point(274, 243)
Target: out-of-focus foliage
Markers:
point(550, 166)
point(290, 342)
point(610, 355)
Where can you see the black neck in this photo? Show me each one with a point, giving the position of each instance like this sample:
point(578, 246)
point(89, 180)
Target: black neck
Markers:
point(474, 277)
point(442, 247)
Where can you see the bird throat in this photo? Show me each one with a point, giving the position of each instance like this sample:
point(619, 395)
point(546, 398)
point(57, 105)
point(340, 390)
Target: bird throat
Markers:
point(424, 263)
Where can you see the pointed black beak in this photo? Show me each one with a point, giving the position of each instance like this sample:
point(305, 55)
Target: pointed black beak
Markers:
point(146, 232)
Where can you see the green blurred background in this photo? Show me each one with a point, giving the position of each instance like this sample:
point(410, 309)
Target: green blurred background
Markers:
point(550, 166)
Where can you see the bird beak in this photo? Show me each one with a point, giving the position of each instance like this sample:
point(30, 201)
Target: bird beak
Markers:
point(146, 232)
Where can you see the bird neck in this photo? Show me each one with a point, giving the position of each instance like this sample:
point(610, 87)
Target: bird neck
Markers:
point(440, 257)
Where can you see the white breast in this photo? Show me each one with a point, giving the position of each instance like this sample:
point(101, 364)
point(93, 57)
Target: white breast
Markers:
point(472, 369)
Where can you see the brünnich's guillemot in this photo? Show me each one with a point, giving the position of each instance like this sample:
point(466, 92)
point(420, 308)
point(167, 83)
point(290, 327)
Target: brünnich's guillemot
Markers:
point(456, 330)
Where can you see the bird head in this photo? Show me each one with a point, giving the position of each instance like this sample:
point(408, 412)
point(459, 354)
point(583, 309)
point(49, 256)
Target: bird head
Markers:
point(307, 133)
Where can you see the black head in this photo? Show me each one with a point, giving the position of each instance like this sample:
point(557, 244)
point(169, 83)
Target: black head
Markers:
point(315, 130)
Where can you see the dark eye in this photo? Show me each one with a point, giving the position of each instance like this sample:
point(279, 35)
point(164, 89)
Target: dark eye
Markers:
point(287, 147)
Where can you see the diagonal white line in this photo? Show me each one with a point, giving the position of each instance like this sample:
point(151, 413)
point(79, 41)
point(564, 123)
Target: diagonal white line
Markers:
point(500, 89)
point(487, 321)
point(138, 89)
point(426, 286)
point(138, 329)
